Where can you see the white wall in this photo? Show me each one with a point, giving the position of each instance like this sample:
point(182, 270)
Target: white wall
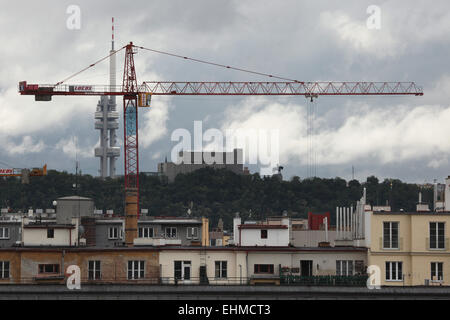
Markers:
point(324, 263)
point(447, 194)
point(233, 258)
point(275, 237)
point(38, 236)
point(311, 238)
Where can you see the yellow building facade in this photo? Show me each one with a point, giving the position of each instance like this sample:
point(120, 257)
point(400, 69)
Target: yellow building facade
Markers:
point(411, 249)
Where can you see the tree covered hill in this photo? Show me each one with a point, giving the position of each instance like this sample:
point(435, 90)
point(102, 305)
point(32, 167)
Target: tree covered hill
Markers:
point(214, 194)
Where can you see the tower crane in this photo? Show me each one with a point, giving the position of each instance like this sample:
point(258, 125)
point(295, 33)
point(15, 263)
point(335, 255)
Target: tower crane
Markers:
point(135, 96)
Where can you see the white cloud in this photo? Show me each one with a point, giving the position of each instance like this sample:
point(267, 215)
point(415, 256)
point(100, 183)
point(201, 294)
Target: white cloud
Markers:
point(27, 145)
point(389, 135)
point(437, 163)
point(355, 33)
point(307, 40)
point(71, 147)
point(154, 126)
point(404, 26)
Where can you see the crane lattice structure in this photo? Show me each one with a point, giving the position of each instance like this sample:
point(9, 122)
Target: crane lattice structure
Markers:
point(135, 95)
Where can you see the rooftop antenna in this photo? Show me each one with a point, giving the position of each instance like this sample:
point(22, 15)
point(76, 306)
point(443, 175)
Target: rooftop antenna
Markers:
point(112, 35)
point(77, 193)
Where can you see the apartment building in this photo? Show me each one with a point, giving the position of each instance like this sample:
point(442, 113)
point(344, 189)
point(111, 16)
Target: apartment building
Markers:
point(97, 265)
point(75, 222)
point(10, 230)
point(411, 248)
point(242, 265)
point(152, 231)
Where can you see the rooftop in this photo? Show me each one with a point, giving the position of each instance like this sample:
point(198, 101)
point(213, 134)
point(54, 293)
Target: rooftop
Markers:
point(421, 213)
point(187, 248)
point(73, 198)
point(262, 226)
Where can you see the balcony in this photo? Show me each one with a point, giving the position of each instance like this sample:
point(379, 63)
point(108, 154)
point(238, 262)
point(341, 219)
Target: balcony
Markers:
point(157, 241)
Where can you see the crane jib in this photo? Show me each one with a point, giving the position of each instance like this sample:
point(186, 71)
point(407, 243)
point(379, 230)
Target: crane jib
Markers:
point(44, 92)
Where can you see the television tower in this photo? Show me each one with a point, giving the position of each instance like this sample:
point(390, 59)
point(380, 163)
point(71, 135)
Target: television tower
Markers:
point(107, 121)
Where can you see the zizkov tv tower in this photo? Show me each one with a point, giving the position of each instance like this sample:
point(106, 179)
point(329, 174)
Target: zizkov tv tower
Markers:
point(107, 122)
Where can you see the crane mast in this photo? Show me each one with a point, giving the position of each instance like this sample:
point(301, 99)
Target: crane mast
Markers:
point(131, 152)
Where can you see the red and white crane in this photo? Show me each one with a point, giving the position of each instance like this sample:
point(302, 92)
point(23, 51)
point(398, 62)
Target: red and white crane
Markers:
point(135, 95)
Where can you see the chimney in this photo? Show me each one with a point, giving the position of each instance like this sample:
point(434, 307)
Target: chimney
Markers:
point(447, 194)
point(131, 213)
point(422, 207)
point(236, 223)
point(435, 194)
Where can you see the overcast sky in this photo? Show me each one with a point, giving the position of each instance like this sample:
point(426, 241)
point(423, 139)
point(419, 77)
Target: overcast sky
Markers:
point(390, 137)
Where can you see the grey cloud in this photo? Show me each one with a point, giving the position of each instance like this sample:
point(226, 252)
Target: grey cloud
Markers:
point(287, 38)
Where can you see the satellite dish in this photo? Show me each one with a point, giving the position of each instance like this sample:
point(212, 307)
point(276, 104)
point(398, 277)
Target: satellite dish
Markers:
point(55, 203)
point(189, 212)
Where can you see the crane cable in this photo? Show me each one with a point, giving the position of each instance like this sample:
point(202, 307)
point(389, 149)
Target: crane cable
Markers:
point(181, 57)
point(90, 66)
point(218, 65)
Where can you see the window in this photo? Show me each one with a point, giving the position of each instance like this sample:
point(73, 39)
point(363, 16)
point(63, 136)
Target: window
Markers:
point(394, 271)
point(221, 269)
point(344, 267)
point(146, 232)
point(437, 239)
point(171, 232)
point(4, 269)
point(4, 233)
point(306, 268)
point(192, 233)
point(263, 234)
point(390, 235)
point(50, 233)
point(182, 270)
point(136, 269)
point(264, 268)
point(49, 268)
point(436, 271)
point(94, 270)
point(113, 233)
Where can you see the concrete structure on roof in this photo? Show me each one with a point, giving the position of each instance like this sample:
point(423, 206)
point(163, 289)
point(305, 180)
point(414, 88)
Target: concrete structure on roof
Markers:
point(271, 233)
point(49, 233)
point(189, 161)
point(71, 207)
